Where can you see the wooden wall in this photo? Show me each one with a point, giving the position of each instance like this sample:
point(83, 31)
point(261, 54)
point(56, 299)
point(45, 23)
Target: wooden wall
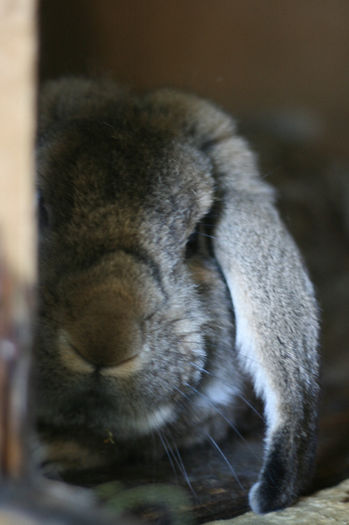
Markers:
point(246, 54)
point(17, 225)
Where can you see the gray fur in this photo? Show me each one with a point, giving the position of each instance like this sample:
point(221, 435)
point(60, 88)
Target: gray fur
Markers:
point(129, 315)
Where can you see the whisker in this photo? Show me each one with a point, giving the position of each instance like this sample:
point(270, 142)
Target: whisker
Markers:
point(227, 462)
point(206, 235)
point(246, 401)
point(220, 413)
point(167, 451)
point(227, 420)
point(230, 423)
point(201, 369)
point(182, 469)
point(243, 398)
point(174, 452)
point(182, 393)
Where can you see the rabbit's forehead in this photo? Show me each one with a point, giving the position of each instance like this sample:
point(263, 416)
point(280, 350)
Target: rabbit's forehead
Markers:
point(147, 169)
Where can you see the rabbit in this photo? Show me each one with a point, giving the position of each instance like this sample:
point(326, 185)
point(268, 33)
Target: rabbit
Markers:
point(165, 275)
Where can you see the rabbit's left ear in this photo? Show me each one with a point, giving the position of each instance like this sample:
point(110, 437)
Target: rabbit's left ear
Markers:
point(273, 301)
point(276, 320)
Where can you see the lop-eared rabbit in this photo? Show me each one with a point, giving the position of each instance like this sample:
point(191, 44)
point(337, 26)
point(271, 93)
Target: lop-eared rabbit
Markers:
point(165, 275)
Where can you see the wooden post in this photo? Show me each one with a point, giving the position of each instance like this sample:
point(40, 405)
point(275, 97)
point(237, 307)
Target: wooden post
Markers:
point(17, 231)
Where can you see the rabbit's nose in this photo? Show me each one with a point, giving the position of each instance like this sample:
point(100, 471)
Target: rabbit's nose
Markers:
point(110, 344)
point(106, 336)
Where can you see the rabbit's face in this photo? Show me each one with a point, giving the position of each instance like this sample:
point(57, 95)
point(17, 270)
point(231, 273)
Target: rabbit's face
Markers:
point(126, 297)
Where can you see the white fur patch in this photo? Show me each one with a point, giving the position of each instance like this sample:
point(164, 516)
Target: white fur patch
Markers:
point(144, 423)
point(252, 359)
point(218, 393)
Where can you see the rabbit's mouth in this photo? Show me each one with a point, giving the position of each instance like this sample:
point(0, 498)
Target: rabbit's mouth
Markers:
point(128, 405)
point(73, 359)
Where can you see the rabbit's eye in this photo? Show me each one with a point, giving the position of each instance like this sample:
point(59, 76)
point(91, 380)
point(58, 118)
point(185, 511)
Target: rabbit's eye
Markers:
point(196, 242)
point(42, 212)
point(200, 240)
point(192, 244)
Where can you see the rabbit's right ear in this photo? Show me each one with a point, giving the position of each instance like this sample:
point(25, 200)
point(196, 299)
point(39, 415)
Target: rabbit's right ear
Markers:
point(272, 297)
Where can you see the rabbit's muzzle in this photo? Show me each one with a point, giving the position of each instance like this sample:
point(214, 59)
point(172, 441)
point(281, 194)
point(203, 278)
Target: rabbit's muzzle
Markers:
point(102, 320)
point(120, 353)
point(108, 333)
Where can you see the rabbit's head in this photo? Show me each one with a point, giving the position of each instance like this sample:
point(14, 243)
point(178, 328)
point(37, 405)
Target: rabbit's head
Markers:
point(155, 230)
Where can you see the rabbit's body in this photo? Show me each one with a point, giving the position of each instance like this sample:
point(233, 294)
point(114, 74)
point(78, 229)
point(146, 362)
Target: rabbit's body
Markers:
point(154, 225)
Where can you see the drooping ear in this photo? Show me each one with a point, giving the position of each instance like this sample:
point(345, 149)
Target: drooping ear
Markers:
point(276, 321)
point(273, 301)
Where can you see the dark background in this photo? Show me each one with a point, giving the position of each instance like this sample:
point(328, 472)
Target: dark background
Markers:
point(246, 54)
point(283, 69)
